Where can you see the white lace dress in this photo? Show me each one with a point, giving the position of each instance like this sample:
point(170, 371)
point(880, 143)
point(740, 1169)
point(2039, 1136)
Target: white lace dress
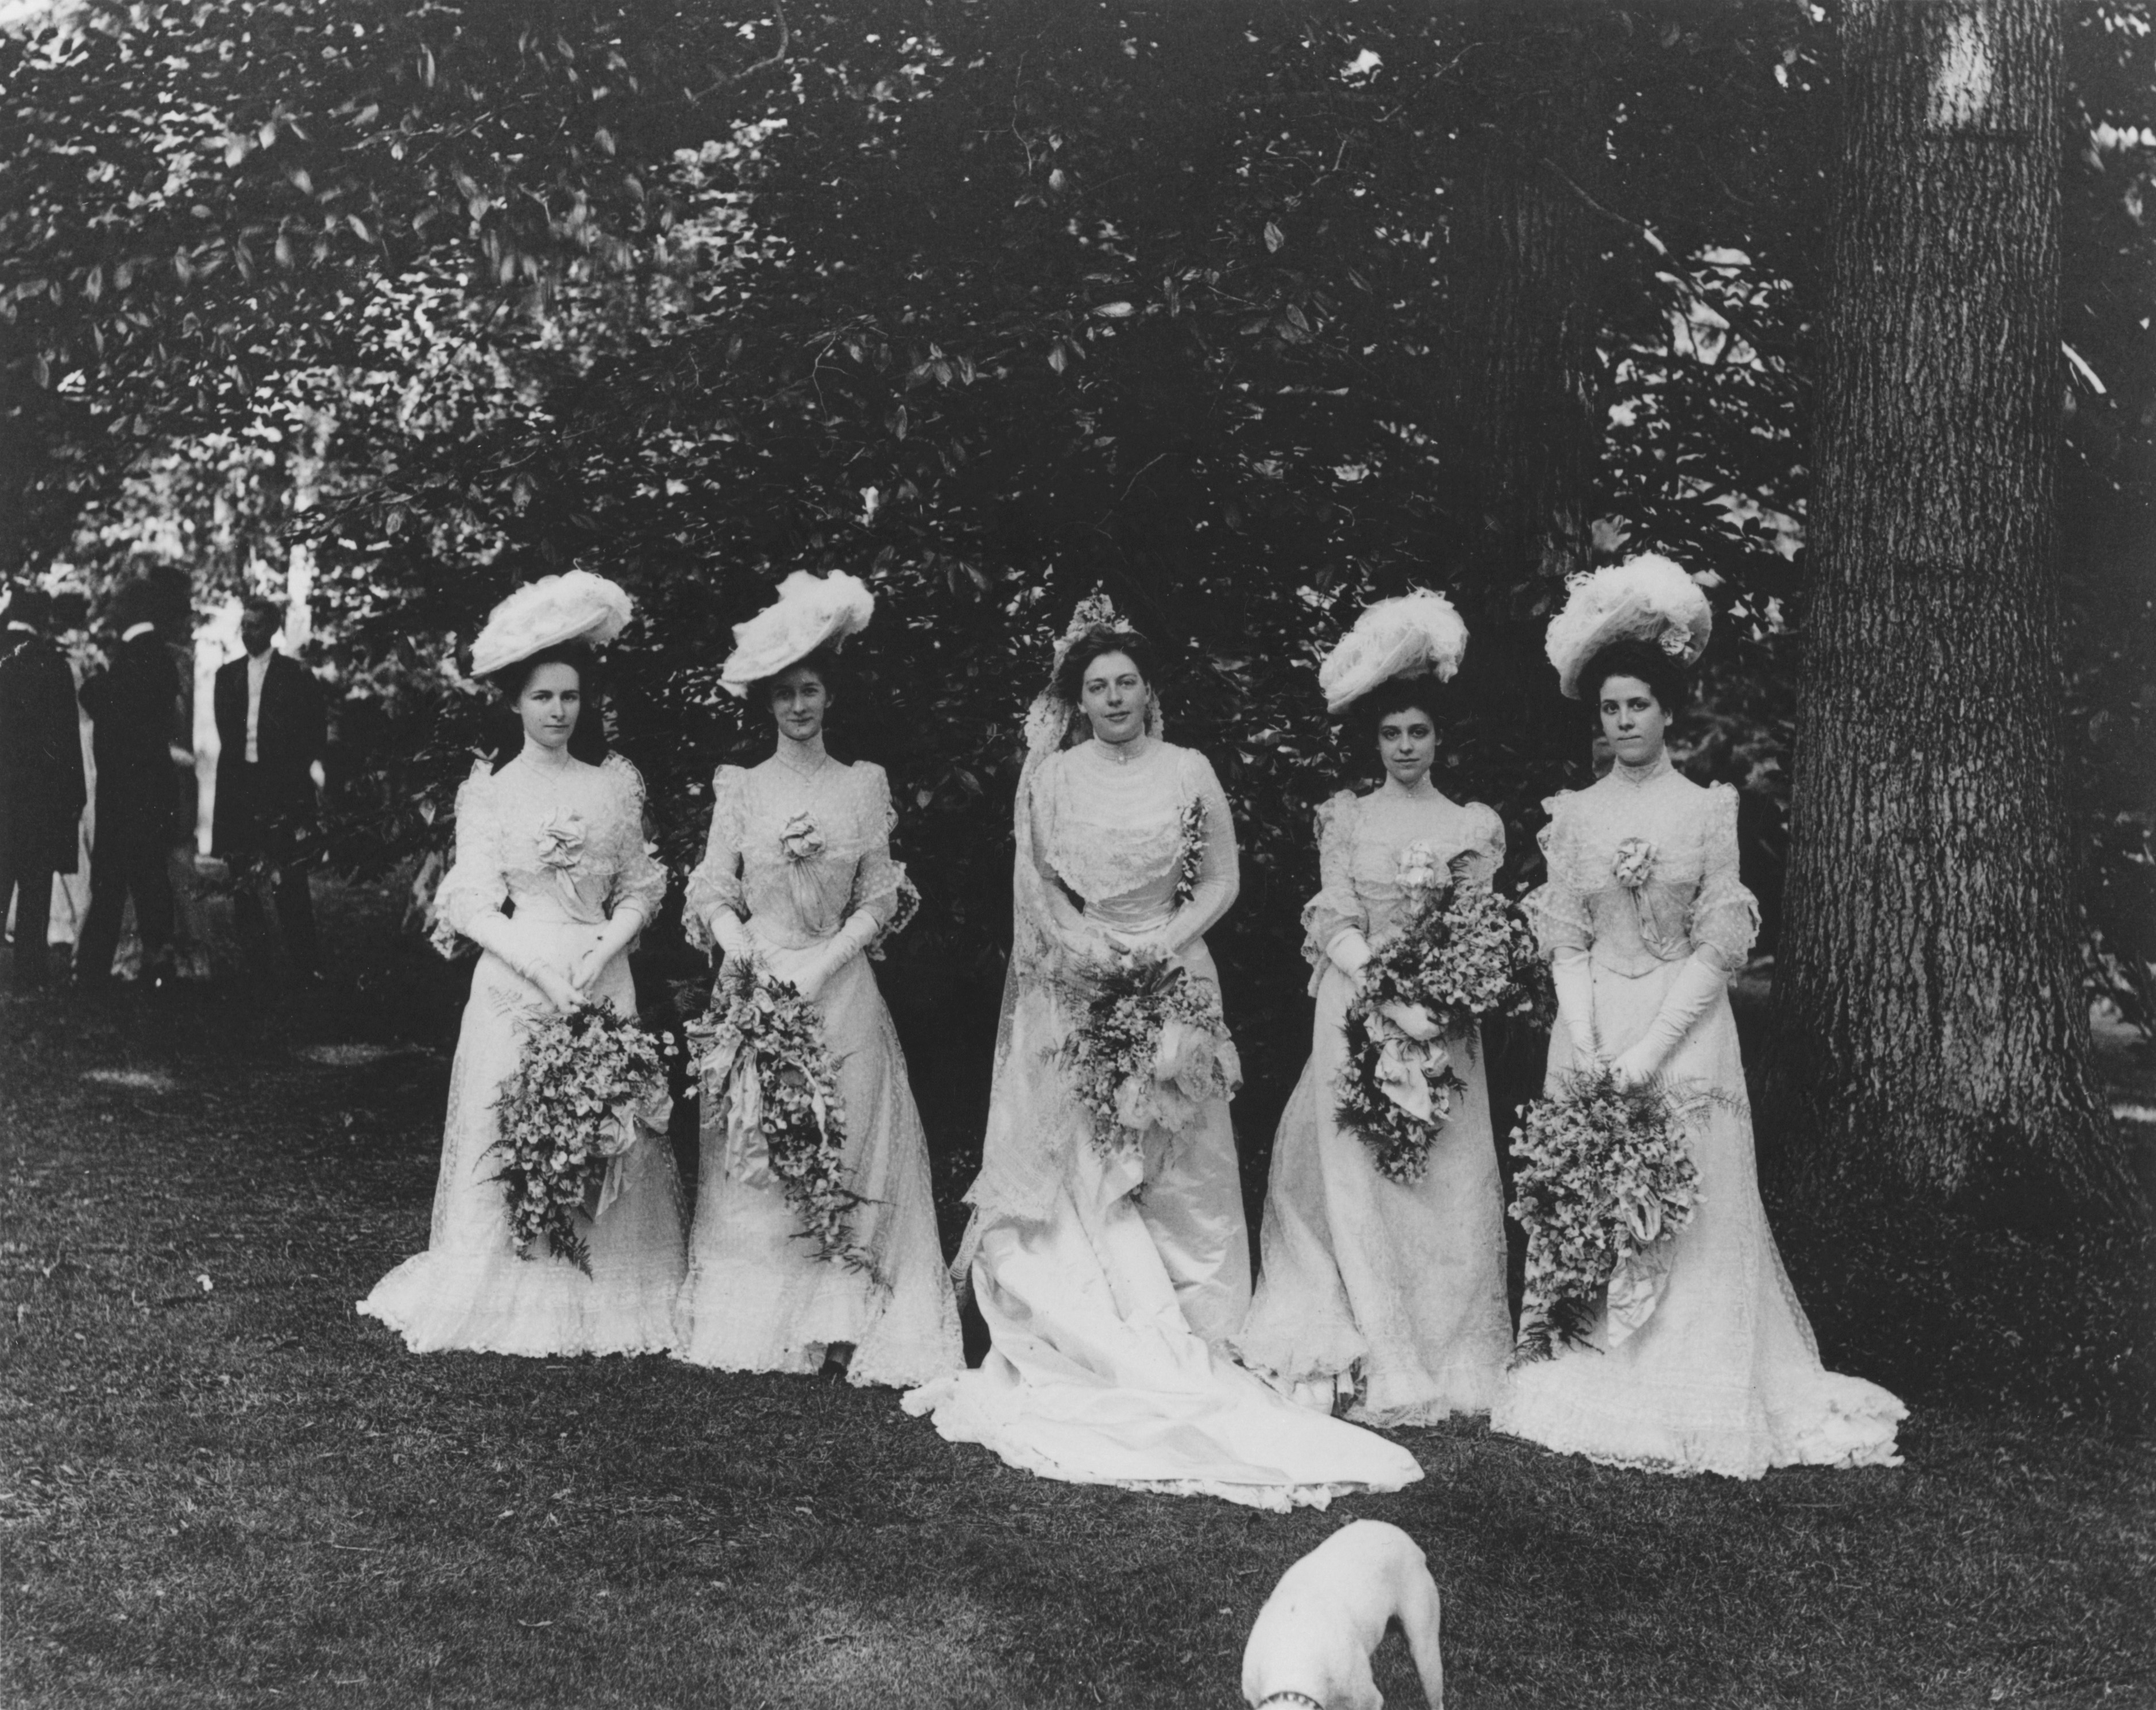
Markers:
point(1725, 1376)
point(756, 1297)
point(557, 855)
point(1104, 1303)
point(1401, 1285)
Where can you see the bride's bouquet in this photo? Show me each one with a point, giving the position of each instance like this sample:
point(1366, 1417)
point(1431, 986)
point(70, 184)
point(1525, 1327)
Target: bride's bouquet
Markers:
point(1461, 954)
point(760, 1049)
point(1604, 1183)
point(587, 1087)
point(1151, 1048)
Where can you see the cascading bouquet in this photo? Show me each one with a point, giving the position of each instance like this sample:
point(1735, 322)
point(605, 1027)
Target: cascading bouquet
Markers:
point(589, 1085)
point(1461, 955)
point(1604, 1181)
point(761, 1048)
point(1150, 1049)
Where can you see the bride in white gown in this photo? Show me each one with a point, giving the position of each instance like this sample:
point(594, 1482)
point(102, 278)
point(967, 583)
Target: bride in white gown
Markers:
point(552, 881)
point(1643, 918)
point(797, 872)
point(1107, 1283)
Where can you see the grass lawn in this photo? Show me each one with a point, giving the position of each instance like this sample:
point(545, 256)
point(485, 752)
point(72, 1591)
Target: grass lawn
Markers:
point(222, 1487)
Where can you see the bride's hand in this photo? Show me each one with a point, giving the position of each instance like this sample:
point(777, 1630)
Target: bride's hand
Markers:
point(1086, 950)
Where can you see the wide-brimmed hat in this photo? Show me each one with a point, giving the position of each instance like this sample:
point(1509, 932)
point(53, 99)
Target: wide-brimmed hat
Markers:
point(553, 611)
point(811, 612)
point(1649, 597)
point(1416, 634)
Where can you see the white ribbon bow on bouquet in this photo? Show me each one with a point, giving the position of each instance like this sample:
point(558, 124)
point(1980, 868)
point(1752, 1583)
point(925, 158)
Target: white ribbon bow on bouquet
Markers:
point(631, 1123)
point(728, 1072)
point(1637, 1284)
point(1407, 1058)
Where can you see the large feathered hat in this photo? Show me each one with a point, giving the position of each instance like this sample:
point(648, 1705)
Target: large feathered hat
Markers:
point(811, 612)
point(1417, 634)
point(1650, 598)
point(551, 611)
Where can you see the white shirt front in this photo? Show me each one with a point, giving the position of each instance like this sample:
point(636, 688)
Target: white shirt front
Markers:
point(257, 670)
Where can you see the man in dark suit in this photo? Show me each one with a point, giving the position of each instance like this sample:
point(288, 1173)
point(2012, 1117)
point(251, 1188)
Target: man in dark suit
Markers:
point(270, 736)
point(134, 706)
point(41, 788)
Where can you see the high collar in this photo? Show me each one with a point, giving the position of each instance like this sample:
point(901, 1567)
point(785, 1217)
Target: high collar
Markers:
point(1123, 753)
point(1424, 790)
point(133, 631)
point(1638, 777)
point(535, 759)
point(803, 759)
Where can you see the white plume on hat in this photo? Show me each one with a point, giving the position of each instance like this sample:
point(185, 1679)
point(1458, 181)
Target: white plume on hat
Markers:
point(1651, 598)
point(575, 606)
point(811, 612)
point(1415, 635)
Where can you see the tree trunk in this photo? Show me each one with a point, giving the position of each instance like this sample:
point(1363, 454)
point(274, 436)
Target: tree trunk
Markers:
point(1932, 1038)
point(1522, 431)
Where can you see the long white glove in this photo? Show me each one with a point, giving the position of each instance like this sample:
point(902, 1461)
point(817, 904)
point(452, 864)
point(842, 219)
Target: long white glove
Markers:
point(1571, 972)
point(1350, 951)
point(841, 947)
point(493, 934)
point(1698, 983)
point(730, 933)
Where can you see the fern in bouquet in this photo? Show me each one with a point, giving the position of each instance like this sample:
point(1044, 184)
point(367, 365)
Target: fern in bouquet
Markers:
point(1604, 1181)
point(761, 1050)
point(1150, 1049)
point(1460, 955)
point(588, 1084)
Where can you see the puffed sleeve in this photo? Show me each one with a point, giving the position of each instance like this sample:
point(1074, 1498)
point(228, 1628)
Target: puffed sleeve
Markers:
point(1485, 843)
point(715, 886)
point(1555, 909)
point(1725, 918)
point(1219, 871)
point(1335, 909)
point(877, 877)
point(640, 881)
point(476, 884)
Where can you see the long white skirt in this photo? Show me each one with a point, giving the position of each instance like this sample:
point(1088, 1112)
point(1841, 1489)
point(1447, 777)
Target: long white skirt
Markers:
point(1403, 1284)
point(469, 1289)
point(1097, 1374)
point(1725, 1376)
point(757, 1298)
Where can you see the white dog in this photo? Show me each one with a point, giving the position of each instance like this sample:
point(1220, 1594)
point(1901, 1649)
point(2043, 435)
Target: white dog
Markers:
point(1310, 1648)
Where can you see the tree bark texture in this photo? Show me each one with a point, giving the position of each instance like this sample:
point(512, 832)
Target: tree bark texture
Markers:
point(1931, 1036)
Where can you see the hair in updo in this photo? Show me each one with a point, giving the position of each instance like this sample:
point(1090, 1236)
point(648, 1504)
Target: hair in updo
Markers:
point(1628, 656)
point(587, 742)
point(1422, 694)
point(1097, 643)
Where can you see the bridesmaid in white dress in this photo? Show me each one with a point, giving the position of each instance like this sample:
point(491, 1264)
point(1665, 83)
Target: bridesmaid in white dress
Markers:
point(553, 880)
point(1384, 1298)
point(757, 1297)
point(1106, 1282)
point(1723, 1375)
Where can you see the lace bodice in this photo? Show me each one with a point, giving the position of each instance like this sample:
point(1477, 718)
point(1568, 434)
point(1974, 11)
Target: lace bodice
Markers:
point(798, 851)
point(1360, 840)
point(1645, 871)
point(565, 846)
point(1110, 833)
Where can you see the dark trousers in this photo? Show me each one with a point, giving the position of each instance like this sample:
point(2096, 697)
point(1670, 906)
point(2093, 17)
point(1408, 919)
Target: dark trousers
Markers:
point(264, 856)
point(126, 859)
point(32, 885)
